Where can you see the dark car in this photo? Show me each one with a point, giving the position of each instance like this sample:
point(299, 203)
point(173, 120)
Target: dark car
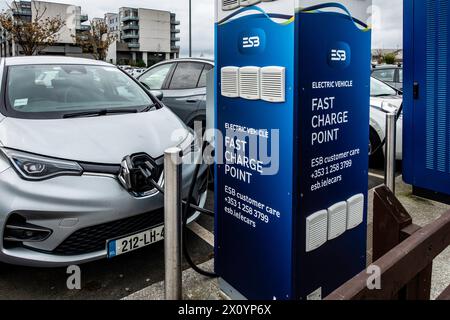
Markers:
point(183, 84)
point(390, 74)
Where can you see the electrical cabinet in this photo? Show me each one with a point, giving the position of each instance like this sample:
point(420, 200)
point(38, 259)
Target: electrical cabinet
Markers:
point(426, 127)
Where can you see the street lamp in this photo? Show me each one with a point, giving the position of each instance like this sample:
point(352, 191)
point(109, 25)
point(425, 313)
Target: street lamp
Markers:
point(190, 28)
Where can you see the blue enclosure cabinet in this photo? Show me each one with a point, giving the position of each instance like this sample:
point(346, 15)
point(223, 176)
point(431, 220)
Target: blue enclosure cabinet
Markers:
point(292, 110)
point(427, 96)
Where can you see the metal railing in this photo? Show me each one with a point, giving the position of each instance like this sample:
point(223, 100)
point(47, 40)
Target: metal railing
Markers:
point(130, 18)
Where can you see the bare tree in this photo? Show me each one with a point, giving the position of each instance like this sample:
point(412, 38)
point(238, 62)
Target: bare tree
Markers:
point(379, 56)
point(97, 40)
point(34, 35)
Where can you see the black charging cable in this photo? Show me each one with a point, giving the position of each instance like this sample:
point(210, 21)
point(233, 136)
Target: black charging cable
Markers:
point(186, 206)
point(397, 117)
point(147, 174)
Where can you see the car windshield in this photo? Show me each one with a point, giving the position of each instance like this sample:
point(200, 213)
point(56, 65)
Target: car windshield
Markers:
point(380, 89)
point(52, 91)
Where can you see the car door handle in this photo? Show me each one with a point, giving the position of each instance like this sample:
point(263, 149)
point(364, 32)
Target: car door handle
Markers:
point(191, 101)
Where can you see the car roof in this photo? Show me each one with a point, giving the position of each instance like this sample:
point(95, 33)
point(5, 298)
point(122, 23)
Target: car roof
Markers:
point(31, 60)
point(386, 66)
point(204, 60)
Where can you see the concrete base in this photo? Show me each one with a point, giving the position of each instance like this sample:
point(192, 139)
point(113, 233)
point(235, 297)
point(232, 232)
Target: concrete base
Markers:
point(230, 292)
point(195, 287)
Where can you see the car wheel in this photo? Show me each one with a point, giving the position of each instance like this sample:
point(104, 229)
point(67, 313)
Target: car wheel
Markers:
point(377, 157)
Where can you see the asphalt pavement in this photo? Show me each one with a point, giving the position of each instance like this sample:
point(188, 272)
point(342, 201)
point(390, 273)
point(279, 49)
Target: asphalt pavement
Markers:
point(118, 277)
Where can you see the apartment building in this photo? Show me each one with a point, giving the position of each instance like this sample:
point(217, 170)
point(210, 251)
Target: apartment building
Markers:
point(112, 20)
point(65, 45)
point(143, 35)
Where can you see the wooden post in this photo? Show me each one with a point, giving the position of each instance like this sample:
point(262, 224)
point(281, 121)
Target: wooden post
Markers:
point(418, 288)
point(393, 225)
point(389, 218)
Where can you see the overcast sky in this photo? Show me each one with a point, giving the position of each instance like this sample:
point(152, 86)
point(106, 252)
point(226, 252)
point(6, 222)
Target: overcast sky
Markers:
point(387, 23)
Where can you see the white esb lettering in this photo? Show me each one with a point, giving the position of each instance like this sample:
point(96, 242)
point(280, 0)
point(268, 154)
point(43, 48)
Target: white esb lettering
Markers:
point(251, 42)
point(338, 55)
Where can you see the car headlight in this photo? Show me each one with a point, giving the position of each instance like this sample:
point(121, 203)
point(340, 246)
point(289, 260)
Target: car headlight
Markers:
point(388, 107)
point(34, 167)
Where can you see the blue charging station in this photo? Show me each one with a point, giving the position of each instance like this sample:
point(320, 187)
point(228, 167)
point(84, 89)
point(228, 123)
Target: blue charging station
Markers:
point(426, 128)
point(292, 104)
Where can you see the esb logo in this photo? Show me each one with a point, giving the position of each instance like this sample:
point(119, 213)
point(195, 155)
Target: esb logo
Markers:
point(252, 41)
point(339, 55)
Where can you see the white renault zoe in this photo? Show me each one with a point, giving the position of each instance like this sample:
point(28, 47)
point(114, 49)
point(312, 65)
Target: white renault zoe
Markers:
point(69, 131)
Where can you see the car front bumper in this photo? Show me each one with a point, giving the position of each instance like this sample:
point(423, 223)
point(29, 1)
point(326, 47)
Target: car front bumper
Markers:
point(67, 205)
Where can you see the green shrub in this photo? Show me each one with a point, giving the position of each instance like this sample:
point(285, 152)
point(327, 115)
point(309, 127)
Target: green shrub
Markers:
point(389, 58)
point(140, 64)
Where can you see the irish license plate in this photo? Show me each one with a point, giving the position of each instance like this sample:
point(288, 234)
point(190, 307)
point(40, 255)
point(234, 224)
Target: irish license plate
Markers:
point(131, 243)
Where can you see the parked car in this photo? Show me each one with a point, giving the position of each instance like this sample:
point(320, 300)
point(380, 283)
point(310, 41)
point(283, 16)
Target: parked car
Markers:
point(390, 74)
point(69, 193)
point(137, 72)
point(384, 99)
point(183, 84)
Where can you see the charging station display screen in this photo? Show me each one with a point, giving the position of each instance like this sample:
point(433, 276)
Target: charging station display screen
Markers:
point(292, 113)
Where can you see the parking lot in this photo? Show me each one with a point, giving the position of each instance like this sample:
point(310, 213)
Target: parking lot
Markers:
point(118, 277)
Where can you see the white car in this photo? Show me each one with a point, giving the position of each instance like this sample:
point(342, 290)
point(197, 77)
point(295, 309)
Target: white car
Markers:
point(384, 99)
point(74, 134)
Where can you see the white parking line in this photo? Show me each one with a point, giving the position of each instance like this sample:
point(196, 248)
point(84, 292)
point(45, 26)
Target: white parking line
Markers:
point(376, 187)
point(379, 176)
point(204, 234)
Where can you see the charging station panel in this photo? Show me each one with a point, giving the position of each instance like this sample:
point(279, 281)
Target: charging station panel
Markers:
point(292, 113)
point(426, 129)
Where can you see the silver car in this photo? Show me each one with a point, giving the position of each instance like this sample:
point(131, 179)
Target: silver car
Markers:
point(383, 99)
point(183, 83)
point(72, 133)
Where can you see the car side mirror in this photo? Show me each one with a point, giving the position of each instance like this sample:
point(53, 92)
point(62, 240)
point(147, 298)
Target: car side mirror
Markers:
point(157, 94)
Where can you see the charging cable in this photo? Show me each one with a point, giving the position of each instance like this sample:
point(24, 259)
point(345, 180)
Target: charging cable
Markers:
point(186, 206)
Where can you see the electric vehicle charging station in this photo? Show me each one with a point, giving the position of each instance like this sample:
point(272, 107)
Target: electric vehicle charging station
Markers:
point(293, 78)
point(426, 148)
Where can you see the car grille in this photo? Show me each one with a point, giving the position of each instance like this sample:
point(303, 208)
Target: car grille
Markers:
point(93, 239)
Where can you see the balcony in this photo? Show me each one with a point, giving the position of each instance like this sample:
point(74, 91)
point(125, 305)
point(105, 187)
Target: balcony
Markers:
point(134, 45)
point(130, 18)
point(22, 12)
point(84, 28)
point(130, 36)
point(175, 48)
point(175, 30)
point(84, 18)
point(175, 22)
point(130, 27)
point(173, 38)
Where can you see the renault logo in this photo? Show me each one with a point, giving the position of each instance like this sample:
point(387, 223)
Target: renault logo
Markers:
point(125, 174)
